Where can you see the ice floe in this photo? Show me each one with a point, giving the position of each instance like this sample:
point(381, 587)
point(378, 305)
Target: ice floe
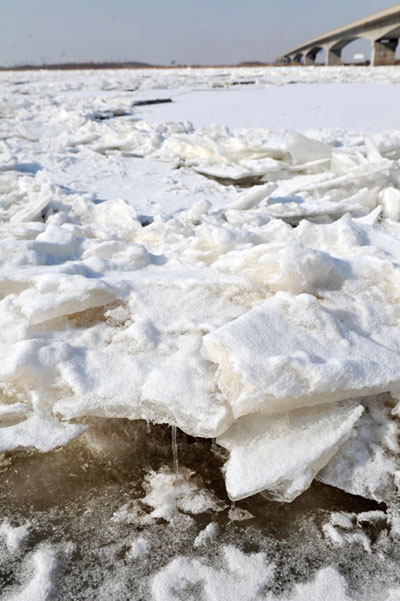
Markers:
point(237, 283)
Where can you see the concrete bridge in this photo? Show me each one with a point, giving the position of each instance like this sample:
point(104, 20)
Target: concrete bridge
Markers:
point(382, 29)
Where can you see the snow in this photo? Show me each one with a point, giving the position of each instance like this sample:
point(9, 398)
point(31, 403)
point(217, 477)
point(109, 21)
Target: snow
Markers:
point(41, 586)
point(328, 585)
point(170, 493)
point(205, 536)
point(243, 577)
point(15, 537)
point(367, 463)
point(356, 529)
point(227, 264)
point(139, 548)
point(199, 305)
point(302, 106)
point(172, 497)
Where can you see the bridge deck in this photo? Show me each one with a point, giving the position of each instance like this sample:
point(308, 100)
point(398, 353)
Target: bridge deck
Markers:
point(355, 28)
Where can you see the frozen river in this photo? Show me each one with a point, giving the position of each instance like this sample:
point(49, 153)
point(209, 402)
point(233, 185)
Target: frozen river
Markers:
point(199, 349)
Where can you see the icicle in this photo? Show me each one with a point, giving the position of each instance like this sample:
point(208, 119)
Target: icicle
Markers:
point(213, 444)
point(148, 427)
point(174, 449)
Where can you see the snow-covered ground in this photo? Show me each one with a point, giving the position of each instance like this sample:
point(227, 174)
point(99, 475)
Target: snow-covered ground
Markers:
point(228, 264)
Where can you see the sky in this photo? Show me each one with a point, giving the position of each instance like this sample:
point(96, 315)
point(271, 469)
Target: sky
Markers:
point(162, 31)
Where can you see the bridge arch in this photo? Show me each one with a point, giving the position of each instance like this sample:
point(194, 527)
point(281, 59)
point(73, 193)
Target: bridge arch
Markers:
point(381, 29)
point(310, 56)
point(334, 50)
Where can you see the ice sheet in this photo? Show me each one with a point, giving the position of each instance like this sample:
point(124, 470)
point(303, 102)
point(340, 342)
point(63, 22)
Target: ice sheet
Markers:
point(200, 274)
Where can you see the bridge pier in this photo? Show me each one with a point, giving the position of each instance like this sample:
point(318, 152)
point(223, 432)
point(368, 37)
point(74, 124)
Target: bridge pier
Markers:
point(310, 56)
point(295, 59)
point(382, 29)
point(309, 60)
point(333, 57)
point(383, 52)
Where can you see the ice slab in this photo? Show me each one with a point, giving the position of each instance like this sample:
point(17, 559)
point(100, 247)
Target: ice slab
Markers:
point(37, 429)
point(291, 352)
point(367, 464)
point(191, 274)
point(282, 454)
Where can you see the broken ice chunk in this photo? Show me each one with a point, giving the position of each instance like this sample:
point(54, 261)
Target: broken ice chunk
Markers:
point(54, 296)
point(390, 199)
point(290, 266)
point(250, 198)
point(283, 453)
point(32, 211)
point(14, 413)
point(305, 150)
point(39, 430)
point(372, 151)
point(367, 464)
point(117, 213)
point(291, 352)
point(58, 241)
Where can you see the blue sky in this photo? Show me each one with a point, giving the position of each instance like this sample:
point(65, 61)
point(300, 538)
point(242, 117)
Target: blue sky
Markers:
point(161, 31)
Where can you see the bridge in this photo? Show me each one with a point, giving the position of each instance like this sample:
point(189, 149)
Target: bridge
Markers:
point(382, 29)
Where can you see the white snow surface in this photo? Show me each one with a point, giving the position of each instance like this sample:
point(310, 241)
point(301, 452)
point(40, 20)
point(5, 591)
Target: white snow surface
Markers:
point(237, 280)
point(41, 578)
point(172, 496)
point(244, 577)
point(14, 537)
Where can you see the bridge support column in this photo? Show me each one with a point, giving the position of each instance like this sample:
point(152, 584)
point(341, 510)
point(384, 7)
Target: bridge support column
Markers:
point(310, 56)
point(296, 59)
point(333, 57)
point(384, 52)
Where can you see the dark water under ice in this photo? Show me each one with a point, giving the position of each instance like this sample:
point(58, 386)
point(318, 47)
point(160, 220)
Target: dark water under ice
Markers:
point(68, 498)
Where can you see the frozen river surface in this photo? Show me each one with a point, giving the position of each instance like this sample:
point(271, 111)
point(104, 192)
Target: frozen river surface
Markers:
point(223, 271)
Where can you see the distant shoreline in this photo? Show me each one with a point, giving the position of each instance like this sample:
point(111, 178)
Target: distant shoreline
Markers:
point(142, 66)
point(125, 65)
